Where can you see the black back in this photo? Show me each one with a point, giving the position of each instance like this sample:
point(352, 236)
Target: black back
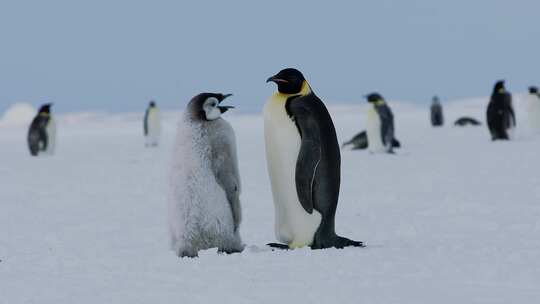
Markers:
point(500, 113)
point(151, 105)
point(437, 117)
point(37, 133)
point(387, 123)
point(318, 167)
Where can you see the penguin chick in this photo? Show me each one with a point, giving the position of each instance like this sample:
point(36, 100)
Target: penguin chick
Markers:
point(204, 202)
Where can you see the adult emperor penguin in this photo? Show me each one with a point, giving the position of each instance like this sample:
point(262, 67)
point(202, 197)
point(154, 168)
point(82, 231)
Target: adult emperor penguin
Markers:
point(533, 109)
point(42, 132)
point(204, 201)
point(437, 117)
point(380, 125)
point(500, 113)
point(303, 160)
point(152, 125)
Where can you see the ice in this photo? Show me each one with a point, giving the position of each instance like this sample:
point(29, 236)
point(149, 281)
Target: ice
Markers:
point(451, 218)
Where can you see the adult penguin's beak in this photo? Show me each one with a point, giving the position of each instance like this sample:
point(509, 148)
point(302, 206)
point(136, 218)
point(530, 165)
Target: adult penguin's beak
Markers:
point(276, 79)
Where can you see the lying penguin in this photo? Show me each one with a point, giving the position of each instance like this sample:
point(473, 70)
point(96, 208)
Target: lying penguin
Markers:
point(466, 121)
point(360, 142)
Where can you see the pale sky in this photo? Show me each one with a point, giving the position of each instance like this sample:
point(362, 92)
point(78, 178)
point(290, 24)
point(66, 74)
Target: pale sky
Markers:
point(117, 55)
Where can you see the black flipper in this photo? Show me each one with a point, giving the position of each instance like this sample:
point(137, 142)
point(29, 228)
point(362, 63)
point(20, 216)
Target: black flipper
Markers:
point(37, 134)
point(318, 166)
point(309, 156)
point(145, 124)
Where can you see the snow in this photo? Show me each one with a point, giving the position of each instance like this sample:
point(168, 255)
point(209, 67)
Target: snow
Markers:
point(18, 114)
point(451, 218)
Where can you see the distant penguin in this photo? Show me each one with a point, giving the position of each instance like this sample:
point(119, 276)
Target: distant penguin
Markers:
point(380, 125)
point(500, 113)
point(152, 125)
point(204, 202)
point(533, 109)
point(466, 121)
point(360, 142)
point(303, 159)
point(437, 117)
point(42, 132)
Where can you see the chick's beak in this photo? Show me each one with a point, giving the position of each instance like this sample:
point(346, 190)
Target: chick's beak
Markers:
point(224, 109)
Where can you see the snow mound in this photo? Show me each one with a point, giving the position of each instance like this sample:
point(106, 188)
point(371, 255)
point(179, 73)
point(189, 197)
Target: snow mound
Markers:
point(19, 114)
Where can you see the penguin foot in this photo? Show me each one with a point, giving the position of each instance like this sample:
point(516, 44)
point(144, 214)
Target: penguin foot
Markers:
point(278, 246)
point(342, 242)
point(229, 251)
point(232, 249)
point(186, 254)
point(336, 242)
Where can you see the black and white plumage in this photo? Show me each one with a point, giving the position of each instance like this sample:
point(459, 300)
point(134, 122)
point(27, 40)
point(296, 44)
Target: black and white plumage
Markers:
point(304, 165)
point(204, 203)
point(436, 111)
point(380, 125)
point(42, 132)
point(500, 113)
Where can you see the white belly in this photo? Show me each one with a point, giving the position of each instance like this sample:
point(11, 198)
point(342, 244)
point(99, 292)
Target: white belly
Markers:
point(373, 131)
point(293, 225)
point(534, 113)
point(51, 136)
point(154, 128)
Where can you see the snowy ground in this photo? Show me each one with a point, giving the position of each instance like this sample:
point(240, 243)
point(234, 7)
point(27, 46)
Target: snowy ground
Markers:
point(452, 218)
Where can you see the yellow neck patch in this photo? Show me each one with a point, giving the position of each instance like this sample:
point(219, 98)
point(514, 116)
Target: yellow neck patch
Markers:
point(306, 89)
point(501, 91)
point(44, 114)
point(379, 102)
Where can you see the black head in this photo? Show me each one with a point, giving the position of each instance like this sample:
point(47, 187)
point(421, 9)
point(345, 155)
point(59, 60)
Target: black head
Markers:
point(435, 99)
point(152, 104)
point(533, 90)
point(45, 108)
point(374, 97)
point(205, 106)
point(499, 87)
point(289, 81)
